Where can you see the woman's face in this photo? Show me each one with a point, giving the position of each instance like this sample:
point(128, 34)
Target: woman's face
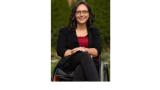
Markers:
point(82, 14)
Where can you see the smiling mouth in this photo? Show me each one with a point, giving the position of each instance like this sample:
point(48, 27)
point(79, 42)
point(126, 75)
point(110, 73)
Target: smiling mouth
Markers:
point(81, 19)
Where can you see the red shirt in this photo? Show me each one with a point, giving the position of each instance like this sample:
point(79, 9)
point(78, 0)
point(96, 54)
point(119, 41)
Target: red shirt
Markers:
point(83, 41)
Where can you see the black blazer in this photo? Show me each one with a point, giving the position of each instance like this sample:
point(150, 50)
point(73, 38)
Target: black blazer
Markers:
point(68, 40)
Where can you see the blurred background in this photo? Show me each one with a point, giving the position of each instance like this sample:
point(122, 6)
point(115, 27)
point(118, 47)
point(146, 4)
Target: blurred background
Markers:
point(60, 13)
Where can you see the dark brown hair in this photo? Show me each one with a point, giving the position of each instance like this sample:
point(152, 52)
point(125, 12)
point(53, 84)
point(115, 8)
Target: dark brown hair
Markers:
point(73, 22)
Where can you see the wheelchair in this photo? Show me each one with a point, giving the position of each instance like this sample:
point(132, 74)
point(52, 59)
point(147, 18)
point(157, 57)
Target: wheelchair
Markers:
point(59, 75)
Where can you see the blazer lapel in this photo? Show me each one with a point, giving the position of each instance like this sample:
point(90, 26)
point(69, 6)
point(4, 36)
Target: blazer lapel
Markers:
point(89, 38)
point(74, 38)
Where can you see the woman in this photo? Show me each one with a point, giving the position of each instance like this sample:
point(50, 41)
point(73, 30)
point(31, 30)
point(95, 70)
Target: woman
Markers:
point(80, 43)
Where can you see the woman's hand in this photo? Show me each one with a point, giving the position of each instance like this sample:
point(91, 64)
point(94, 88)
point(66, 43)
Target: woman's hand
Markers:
point(91, 51)
point(74, 50)
point(83, 49)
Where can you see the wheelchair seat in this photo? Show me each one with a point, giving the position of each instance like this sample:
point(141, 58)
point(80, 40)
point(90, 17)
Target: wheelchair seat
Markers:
point(60, 75)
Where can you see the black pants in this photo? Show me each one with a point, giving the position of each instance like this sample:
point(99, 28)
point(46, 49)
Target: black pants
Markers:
point(83, 66)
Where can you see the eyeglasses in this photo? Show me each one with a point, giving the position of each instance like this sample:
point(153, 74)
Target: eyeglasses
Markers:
point(82, 12)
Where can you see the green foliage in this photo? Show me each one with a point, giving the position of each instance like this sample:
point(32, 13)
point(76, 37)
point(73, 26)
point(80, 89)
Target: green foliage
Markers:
point(59, 18)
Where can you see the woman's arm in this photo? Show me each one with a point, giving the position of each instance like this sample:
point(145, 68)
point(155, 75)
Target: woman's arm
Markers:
point(96, 41)
point(92, 51)
point(62, 42)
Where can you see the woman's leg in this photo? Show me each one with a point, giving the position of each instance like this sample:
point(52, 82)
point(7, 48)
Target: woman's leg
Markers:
point(87, 66)
point(79, 74)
